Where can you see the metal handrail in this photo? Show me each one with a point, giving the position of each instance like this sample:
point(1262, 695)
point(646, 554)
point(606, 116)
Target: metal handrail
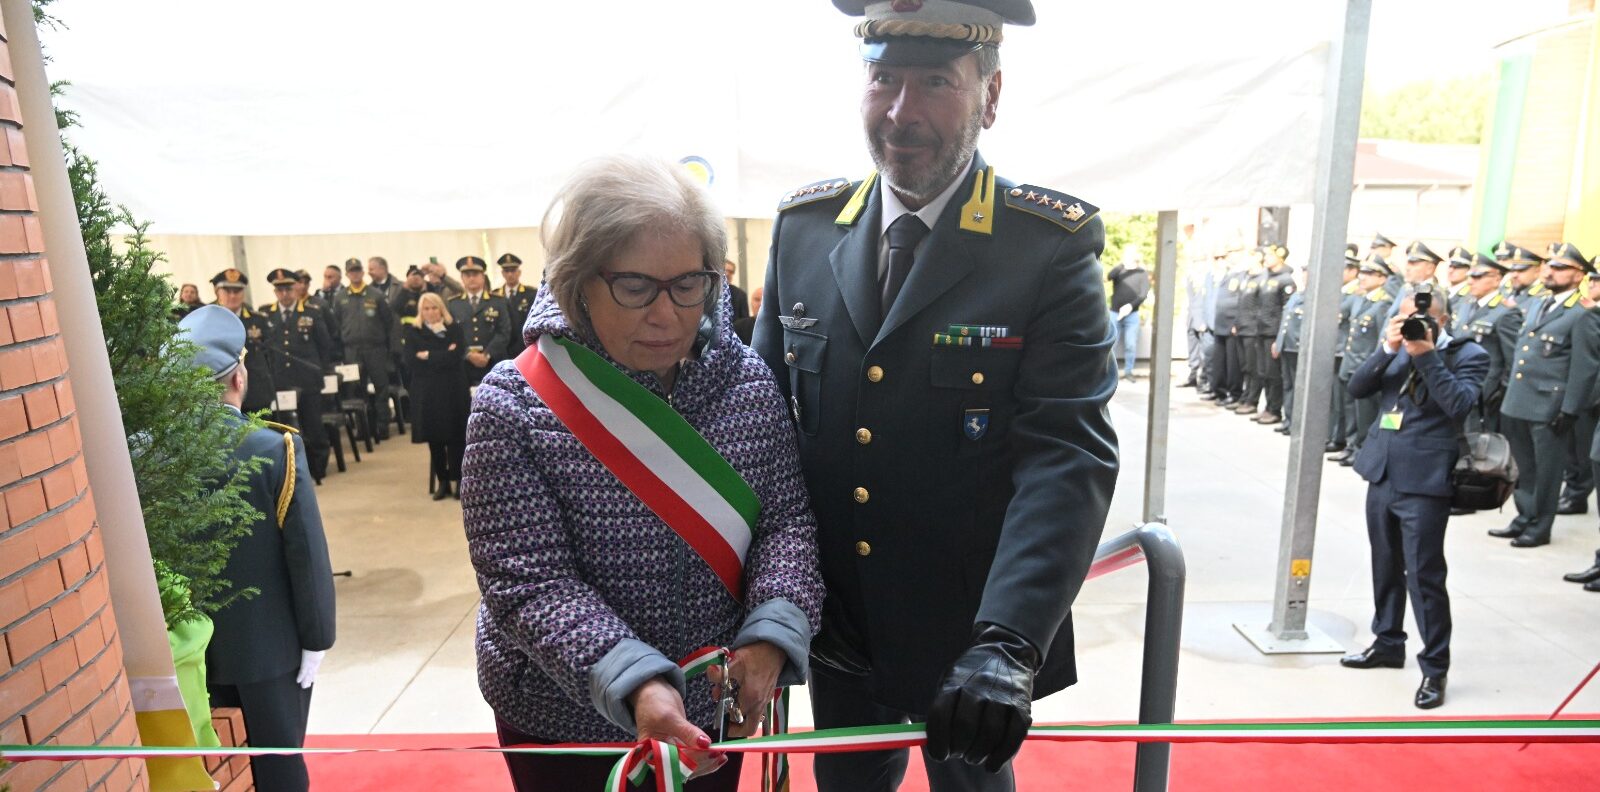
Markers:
point(1163, 627)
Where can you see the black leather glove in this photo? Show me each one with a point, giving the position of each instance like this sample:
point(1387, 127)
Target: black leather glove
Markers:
point(1563, 423)
point(985, 704)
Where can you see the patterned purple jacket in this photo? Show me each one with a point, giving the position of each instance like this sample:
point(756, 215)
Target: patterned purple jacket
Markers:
point(586, 593)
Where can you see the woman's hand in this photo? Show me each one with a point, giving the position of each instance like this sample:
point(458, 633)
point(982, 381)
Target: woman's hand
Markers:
point(755, 668)
point(423, 355)
point(658, 714)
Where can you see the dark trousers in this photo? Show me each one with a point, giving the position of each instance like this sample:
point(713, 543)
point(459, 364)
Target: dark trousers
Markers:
point(446, 460)
point(309, 413)
point(1342, 411)
point(1197, 359)
point(275, 712)
point(1366, 416)
point(1541, 457)
point(839, 700)
point(1252, 370)
point(1217, 366)
point(1407, 537)
point(1233, 366)
point(530, 773)
point(1272, 375)
point(1578, 479)
point(1288, 368)
point(374, 361)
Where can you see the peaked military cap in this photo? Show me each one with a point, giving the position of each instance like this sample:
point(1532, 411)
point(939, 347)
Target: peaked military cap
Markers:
point(230, 278)
point(282, 277)
point(413, 270)
point(470, 264)
point(1482, 265)
point(352, 264)
point(1352, 256)
point(1419, 251)
point(303, 276)
point(219, 336)
point(1375, 263)
point(1516, 257)
point(1568, 252)
point(1379, 240)
point(931, 32)
point(1460, 257)
point(509, 261)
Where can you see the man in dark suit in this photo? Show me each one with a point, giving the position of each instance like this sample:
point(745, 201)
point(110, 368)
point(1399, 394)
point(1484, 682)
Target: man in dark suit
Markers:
point(230, 285)
point(942, 338)
point(265, 653)
point(485, 319)
point(1548, 391)
point(1426, 385)
point(303, 350)
point(741, 301)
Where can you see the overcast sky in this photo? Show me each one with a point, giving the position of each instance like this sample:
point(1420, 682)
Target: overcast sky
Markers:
point(1423, 39)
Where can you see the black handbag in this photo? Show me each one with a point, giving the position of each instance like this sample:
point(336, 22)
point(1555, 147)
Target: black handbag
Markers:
point(1485, 475)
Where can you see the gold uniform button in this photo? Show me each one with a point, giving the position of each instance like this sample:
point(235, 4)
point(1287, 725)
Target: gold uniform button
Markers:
point(863, 549)
point(874, 373)
point(862, 495)
point(790, 358)
point(863, 436)
point(977, 378)
point(1519, 375)
point(1524, 347)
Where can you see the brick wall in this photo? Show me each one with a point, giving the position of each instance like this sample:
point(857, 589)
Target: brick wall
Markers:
point(61, 677)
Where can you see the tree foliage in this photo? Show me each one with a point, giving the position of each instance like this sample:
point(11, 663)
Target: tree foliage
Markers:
point(179, 433)
point(1429, 111)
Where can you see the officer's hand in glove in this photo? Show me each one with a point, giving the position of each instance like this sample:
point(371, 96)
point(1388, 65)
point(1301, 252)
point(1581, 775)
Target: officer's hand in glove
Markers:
point(309, 663)
point(1563, 423)
point(984, 706)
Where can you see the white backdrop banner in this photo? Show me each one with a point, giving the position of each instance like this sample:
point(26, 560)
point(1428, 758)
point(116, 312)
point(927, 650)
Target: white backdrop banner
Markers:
point(301, 117)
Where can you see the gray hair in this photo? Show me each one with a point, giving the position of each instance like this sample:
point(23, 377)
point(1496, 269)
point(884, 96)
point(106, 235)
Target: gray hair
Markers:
point(605, 205)
point(988, 62)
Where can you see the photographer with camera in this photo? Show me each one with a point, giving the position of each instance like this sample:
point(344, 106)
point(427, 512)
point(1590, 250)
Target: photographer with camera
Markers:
point(1548, 391)
point(1426, 383)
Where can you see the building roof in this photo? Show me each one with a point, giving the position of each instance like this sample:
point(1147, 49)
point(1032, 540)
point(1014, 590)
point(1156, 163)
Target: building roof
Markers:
point(1387, 163)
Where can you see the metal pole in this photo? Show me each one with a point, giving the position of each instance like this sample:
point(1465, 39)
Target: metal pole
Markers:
point(1287, 632)
point(1163, 634)
point(1155, 457)
point(742, 236)
point(240, 264)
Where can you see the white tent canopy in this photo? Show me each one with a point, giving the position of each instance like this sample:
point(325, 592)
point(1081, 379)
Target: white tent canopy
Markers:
point(314, 117)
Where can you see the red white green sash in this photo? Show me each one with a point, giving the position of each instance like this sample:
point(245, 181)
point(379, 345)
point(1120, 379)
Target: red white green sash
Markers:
point(651, 449)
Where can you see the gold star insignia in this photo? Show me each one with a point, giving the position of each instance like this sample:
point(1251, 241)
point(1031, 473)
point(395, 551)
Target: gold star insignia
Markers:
point(1059, 206)
point(1044, 200)
point(1031, 196)
point(977, 217)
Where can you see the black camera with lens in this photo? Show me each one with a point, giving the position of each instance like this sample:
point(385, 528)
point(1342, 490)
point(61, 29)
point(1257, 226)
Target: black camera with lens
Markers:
point(1419, 326)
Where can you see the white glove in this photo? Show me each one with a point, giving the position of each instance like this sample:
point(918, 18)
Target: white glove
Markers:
point(309, 663)
point(1122, 313)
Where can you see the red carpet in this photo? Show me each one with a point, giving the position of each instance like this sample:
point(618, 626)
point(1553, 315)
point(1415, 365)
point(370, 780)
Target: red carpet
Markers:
point(1050, 766)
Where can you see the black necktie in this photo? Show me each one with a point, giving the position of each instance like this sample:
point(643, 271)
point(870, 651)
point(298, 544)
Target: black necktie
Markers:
point(904, 234)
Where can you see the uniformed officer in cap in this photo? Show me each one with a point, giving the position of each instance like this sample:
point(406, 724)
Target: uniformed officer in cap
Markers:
point(519, 299)
point(302, 353)
point(1342, 413)
point(1249, 332)
point(1227, 361)
point(1488, 318)
point(267, 648)
point(485, 319)
point(941, 334)
point(1361, 342)
point(1577, 482)
point(369, 335)
point(1551, 378)
point(1381, 246)
point(1527, 269)
point(1460, 267)
point(1421, 266)
point(1277, 286)
point(229, 286)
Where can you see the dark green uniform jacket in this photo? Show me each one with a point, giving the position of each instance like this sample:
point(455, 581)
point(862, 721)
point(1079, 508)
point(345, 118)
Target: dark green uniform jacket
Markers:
point(951, 484)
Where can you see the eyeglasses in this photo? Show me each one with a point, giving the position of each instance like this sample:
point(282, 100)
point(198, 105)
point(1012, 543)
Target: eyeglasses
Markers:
point(633, 290)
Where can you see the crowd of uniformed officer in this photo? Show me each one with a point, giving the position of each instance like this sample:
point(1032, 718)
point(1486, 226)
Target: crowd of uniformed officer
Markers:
point(298, 337)
point(1534, 314)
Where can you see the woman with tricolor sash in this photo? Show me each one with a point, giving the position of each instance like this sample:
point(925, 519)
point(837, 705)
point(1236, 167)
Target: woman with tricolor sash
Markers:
point(632, 495)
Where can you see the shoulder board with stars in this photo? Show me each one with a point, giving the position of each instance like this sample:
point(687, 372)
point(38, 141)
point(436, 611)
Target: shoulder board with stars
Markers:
point(1059, 208)
point(811, 193)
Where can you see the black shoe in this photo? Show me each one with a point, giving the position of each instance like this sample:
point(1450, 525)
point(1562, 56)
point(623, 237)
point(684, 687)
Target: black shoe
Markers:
point(1572, 506)
point(1227, 401)
point(1511, 531)
point(1343, 456)
point(1589, 575)
point(442, 492)
point(1190, 383)
point(1370, 657)
point(1457, 511)
point(1351, 462)
point(1207, 395)
point(1283, 430)
point(1430, 693)
point(1593, 585)
point(1333, 447)
point(1528, 539)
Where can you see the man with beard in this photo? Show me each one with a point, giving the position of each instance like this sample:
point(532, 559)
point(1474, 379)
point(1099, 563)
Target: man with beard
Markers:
point(1549, 386)
point(1525, 283)
point(941, 336)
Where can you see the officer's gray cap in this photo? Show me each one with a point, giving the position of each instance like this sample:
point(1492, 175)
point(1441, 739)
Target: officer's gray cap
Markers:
point(219, 336)
point(931, 32)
